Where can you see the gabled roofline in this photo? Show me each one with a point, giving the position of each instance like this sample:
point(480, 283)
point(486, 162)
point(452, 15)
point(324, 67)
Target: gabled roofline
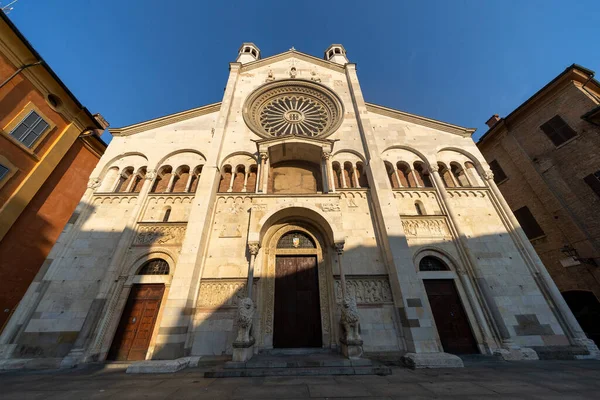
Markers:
point(292, 53)
point(165, 120)
point(573, 68)
point(420, 120)
point(50, 71)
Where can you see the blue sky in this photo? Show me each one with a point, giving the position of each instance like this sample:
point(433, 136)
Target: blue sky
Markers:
point(456, 61)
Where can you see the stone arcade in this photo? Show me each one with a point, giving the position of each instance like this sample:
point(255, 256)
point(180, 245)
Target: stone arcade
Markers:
point(292, 214)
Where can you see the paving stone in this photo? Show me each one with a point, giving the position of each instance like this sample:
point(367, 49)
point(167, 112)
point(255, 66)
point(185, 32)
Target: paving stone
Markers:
point(339, 390)
point(270, 391)
point(400, 389)
point(455, 388)
point(511, 386)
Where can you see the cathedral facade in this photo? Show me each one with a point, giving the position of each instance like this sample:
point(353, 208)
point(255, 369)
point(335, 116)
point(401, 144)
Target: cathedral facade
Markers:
point(292, 214)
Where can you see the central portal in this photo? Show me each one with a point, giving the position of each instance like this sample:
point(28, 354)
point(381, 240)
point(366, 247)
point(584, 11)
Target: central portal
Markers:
point(297, 312)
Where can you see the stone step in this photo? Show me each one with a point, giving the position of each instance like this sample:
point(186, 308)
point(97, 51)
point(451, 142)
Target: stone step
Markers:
point(296, 351)
point(304, 362)
point(315, 371)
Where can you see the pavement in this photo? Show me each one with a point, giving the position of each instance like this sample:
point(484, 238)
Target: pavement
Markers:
point(489, 379)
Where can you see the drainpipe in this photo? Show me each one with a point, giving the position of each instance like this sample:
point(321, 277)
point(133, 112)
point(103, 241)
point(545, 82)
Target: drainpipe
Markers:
point(18, 71)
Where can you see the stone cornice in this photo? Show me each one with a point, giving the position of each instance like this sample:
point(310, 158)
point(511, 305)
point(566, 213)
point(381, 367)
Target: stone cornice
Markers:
point(292, 54)
point(419, 120)
point(166, 120)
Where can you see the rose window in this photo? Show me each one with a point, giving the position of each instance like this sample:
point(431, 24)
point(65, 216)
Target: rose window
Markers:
point(293, 107)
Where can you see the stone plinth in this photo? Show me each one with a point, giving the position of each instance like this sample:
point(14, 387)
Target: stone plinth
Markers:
point(352, 348)
point(243, 351)
point(517, 354)
point(431, 360)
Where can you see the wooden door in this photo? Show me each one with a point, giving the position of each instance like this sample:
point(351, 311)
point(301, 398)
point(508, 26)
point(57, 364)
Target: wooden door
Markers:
point(450, 317)
point(297, 311)
point(137, 323)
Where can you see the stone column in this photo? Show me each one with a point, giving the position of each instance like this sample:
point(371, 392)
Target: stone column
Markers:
point(343, 176)
point(414, 174)
point(233, 172)
point(264, 176)
point(541, 276)
point(330, 172)
point(169, 188)
point(259, 179)
point(486, 300)
point(351, 341)
point(131, 182)
point(397, 178)
point(189, 182)
point(325, 172)
point(246, 173)
point(243, 346)
point(355, 176)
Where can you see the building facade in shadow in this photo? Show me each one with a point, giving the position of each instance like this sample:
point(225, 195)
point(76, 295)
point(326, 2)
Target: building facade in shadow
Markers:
point(293, 214)
point(546, 163)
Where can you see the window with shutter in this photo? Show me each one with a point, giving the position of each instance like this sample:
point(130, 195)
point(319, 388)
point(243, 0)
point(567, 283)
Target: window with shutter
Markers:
point(557, 130)
point(593, 180)
point(499, 174)
point(3, 171)
point(30, 129)
point(528, 223)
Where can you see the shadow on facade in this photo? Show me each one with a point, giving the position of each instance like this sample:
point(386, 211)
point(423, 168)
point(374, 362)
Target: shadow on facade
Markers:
point(75, 305)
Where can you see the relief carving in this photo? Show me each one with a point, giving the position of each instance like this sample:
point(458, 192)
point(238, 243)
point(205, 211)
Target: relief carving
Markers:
point(159, 234)
point(222, 293)
point(330, 207)
point(230, 231)
point(426, 227)
point(367, 290)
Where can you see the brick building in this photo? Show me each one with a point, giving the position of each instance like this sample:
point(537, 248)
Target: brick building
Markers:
point(545, 156)
point(49, 144)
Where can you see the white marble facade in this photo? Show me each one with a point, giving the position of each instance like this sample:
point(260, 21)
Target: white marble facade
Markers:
point(414, 188)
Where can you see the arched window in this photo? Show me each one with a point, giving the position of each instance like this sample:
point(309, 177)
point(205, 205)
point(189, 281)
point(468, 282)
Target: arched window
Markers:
point(472, 174)
point(251, 182)
point(391, 174)
point(238, 179)
point(337, 175)
point(430, 263)
point(181, 179)
point(138, 180)
point(167, 214)
point(296, 240)
point(162, 180)
point(363, 182)
point(349, 175)
point(195, 178)
point(421, 174)
point(459, 174)
point(154, 267)
point(419, 208)
point(405, 175)
point(225, 179)
point(124, 180)
point(337, 51)
point(446, 175)
point(109, 180)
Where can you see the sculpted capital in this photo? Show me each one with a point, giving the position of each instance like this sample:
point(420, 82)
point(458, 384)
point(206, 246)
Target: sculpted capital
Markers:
point(150, 175)
point(264, 155)
point(339, 247)
point(93, 183)
point(253, 247)
point(488, 174)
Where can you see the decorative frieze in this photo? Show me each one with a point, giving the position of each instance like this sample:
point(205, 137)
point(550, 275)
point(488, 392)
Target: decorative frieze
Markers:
point(414, 193)
point(222, 293)
point(467, 193)
point(425, 227)
point(166, 198)
point(161, 234)
point(365, 289)
point(330, 207)
point(115, 198)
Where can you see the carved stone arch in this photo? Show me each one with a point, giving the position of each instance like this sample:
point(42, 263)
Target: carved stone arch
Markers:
point(465, 153)
point(224, 160)
point(110, 163)
point(174, 153)
point(412, 150)
point(434, 251)
point(302, 211)
point(325, 277)
point(354, 152)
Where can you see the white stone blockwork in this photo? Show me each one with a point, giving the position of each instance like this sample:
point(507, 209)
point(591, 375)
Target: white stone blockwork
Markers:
point(313, 195)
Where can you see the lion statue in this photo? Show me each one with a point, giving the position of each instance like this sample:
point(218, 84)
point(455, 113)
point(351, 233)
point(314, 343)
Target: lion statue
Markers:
point(350, 319)
point(244, 319)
